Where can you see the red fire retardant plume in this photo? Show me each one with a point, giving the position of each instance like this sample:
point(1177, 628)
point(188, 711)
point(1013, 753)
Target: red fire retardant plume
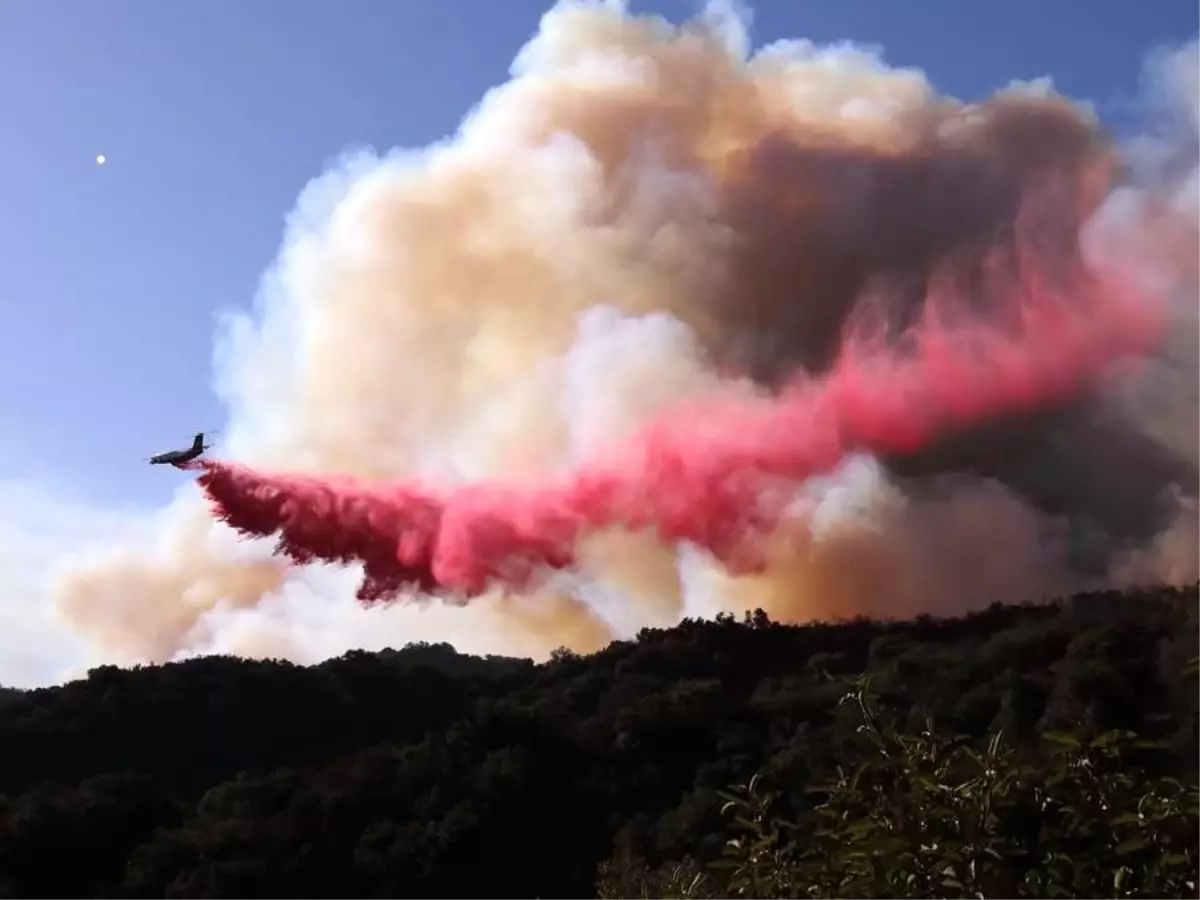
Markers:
point(713, 472)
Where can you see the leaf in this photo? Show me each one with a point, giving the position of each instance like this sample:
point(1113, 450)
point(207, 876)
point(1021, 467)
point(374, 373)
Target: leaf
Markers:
point(1062, 737)
point(1119, 877)
point(1130, 846)
point(1143, 744)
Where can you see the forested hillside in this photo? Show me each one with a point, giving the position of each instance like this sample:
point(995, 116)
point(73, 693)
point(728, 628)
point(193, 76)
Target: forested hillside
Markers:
point(425, 772)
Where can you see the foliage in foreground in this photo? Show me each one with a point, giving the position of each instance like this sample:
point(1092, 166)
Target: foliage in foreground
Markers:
point(926, 815)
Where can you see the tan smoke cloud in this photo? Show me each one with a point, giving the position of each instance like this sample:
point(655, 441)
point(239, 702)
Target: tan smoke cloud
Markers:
point(639, 213)
point(860, 545)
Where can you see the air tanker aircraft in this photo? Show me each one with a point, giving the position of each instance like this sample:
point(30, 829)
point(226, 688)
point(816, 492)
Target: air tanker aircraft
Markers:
point(180, 458)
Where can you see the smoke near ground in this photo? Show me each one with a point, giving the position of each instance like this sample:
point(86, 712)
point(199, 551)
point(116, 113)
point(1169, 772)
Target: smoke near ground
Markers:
point(646, 215)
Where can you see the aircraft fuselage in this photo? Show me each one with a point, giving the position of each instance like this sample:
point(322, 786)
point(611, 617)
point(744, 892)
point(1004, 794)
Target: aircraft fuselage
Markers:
point(180, 458)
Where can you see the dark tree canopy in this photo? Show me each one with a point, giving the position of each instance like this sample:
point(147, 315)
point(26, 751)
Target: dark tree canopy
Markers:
point(423, 771)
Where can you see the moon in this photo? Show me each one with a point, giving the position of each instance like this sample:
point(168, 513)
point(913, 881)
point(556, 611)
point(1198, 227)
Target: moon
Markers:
point(101, 160)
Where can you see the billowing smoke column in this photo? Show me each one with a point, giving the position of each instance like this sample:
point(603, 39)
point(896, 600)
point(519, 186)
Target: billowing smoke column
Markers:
point(719, 474)
point(653, 283)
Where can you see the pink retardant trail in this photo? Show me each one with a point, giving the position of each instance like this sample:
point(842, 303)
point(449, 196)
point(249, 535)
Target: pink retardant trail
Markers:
point(715, 472)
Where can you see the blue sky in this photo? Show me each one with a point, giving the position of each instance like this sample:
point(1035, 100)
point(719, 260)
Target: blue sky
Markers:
point(214, 115)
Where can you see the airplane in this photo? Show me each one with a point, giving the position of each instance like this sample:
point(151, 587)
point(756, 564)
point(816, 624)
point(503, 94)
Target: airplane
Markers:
point(180, 458)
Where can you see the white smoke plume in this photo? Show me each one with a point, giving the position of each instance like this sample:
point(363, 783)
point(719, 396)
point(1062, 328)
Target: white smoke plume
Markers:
point(641, 212)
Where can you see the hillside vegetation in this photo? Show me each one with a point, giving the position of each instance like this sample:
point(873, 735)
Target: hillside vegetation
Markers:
point(1020, 751)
